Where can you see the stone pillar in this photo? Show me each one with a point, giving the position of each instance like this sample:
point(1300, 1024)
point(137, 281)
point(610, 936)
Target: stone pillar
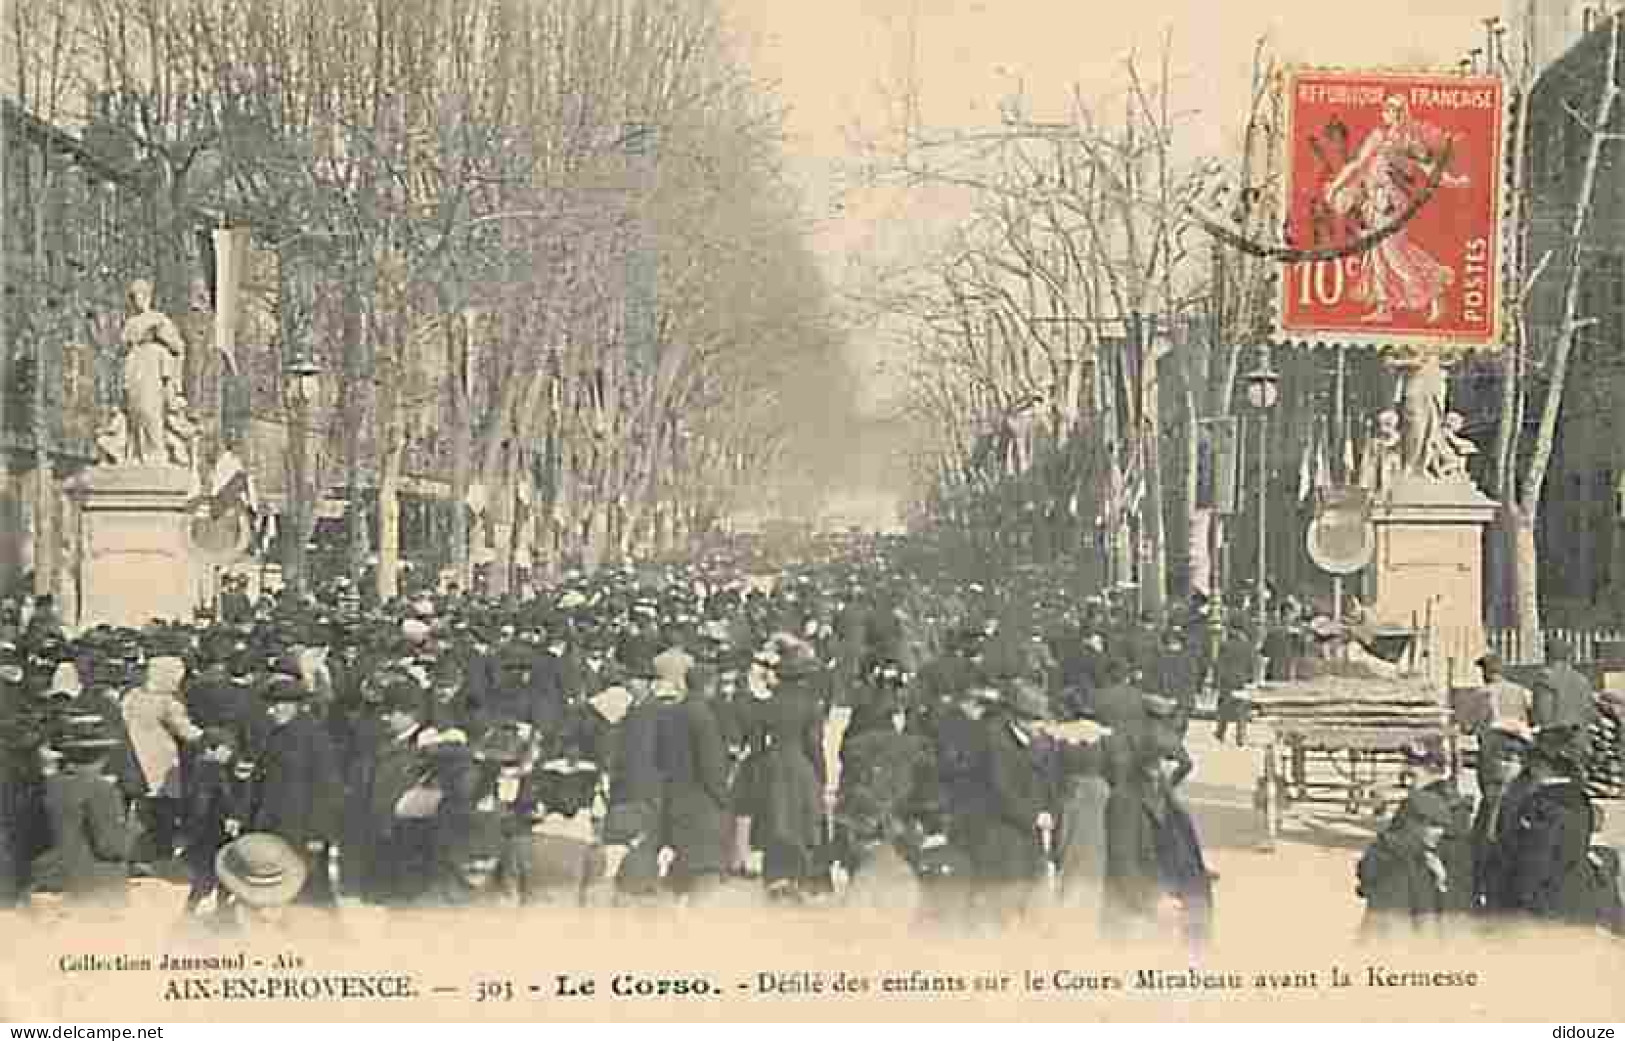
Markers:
point(135, 561)
point(1428, 571)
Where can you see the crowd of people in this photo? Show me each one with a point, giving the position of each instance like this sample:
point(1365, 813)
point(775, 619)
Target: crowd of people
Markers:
point(1524, 847)
point(859, 727)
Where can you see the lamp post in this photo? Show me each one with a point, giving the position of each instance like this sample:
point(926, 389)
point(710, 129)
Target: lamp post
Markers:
point(302, 382)
point(1263, 389)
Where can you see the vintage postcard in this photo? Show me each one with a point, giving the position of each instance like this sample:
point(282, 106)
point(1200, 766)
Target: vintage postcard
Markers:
point(734, 510)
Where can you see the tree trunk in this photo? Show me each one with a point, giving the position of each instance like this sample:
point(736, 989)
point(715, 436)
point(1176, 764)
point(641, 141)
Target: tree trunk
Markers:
point(391, 448)
point(389, 520)
point(353, 410)
point(1525, 580)
point(458, 336)
point(1153, 547)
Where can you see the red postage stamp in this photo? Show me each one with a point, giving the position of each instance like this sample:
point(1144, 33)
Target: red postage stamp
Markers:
point(1393, 191)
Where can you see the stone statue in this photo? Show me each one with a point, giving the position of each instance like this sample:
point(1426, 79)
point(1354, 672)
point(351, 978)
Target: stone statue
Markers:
point(113, 438)
point(153, 359)
point(1421, 395)
point(180, 432)
point(1454, 449)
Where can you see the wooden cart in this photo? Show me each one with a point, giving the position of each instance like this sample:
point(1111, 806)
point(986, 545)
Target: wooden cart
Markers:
point(1341, 748)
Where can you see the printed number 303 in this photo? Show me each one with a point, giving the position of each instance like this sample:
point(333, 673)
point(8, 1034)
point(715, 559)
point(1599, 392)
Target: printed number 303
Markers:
point(494, 990)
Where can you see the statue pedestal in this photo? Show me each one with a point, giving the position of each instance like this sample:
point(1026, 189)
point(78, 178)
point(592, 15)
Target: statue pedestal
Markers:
point(135, 559)
point(1428, 568)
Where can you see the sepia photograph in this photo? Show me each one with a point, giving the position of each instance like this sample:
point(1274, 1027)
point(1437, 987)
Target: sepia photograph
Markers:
point(525, 511)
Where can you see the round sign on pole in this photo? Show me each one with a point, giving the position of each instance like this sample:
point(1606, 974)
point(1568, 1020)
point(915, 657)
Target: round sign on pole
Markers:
point(1341, 539)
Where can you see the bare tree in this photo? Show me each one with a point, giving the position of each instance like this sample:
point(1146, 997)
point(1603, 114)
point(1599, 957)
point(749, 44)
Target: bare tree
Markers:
point(1521, 490)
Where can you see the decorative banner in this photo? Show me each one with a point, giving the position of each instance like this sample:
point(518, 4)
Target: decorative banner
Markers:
point(230, 259)
point(1393, 190)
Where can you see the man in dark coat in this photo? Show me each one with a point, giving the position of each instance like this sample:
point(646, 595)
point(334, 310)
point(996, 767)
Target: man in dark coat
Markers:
point(217, 698)
point(631, 829)
point(89, 854)
point(1178, 671)
point(555, 681)
point(220, 803)
point(1547, 871)
point(1233, 670)
point(1120, 703)
point(1501, 761)
point(1153, 855)
point(510, 698)
point(449, 706)
point(376, 859)
point(1004, 828)
point(300, 796)
point(235, 607)
point(960, 743)
point(693, 765)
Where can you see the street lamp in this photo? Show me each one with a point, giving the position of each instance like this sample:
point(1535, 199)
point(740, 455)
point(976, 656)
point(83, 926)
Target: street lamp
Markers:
point(303, 381)
point(1263, 389)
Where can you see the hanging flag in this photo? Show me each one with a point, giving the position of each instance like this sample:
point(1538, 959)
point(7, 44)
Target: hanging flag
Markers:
point(1113, 506)
point(1323, 468)
point(1306, 473)
point(230, 261)
point(1133, 485)
point(1349, 466)
point(475, 499)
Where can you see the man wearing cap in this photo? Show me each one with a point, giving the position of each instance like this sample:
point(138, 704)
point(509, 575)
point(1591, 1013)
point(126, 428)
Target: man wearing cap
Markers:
point(1506, 701)
point(88, 859)
point(1506, 708)
point(1007, 831)
point(1233, 670)
point(513, 699)
point(1545, 840)
point(212, 698)
point(1562, 696)
point(1401, 876)
point(300, 796)
point(235, 607)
